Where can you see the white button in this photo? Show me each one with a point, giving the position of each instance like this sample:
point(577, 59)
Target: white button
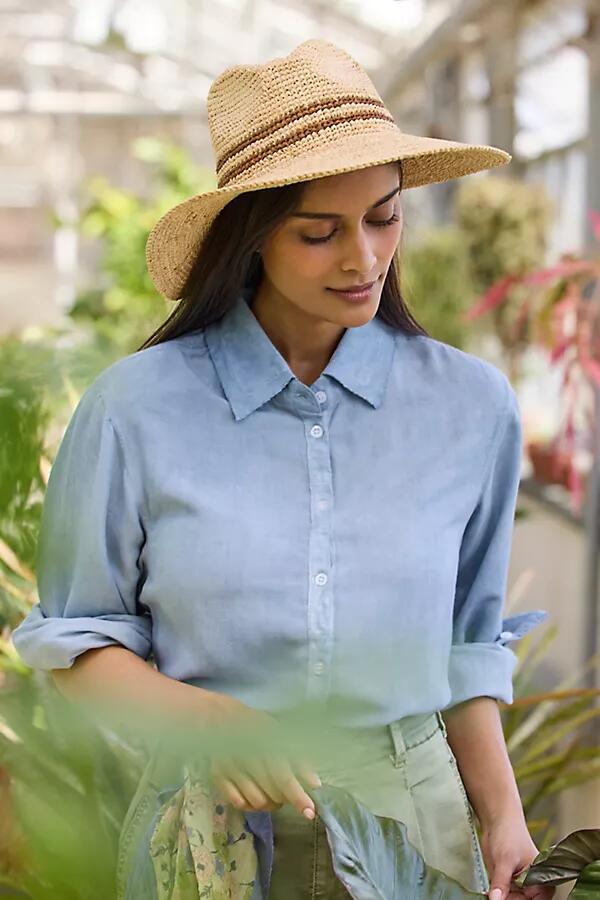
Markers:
point(321, 578)
point(321, 396)
point(322, 504)
point(318, 670)
point(506, 635)
point(316, 431)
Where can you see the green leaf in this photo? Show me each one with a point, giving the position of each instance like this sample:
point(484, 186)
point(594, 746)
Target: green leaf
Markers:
point(565, 861)
point(588, 883)
point(372, 855)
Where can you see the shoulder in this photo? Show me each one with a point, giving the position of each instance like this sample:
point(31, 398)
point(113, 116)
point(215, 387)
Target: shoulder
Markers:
point(141, 379)
point(458, 378)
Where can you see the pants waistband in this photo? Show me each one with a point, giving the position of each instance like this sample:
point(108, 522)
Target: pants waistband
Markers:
point(411, 731)
point(399, 736)
point(352, 746)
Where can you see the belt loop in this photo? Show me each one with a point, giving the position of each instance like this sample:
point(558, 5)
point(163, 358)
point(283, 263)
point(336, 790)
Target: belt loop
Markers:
point(441, 722)
point(398, 757)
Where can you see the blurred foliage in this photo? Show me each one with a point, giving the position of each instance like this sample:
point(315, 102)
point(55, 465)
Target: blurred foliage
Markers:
point(71, 780)
point(436, 283)
point(122, 306)
point(505, 223)
point(550, 734)
point(24, 419)
point(36, 400)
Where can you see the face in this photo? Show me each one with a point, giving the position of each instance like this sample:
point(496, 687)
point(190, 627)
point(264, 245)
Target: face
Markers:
point(343, 234)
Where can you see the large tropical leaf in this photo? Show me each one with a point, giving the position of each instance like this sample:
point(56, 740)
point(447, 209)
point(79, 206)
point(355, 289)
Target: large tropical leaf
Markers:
point(372, 855)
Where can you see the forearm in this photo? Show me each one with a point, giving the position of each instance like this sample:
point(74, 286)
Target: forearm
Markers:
point(120, 684)
point(477, 741)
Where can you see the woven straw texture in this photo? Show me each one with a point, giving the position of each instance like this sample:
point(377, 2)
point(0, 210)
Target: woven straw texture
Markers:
point(307, 115)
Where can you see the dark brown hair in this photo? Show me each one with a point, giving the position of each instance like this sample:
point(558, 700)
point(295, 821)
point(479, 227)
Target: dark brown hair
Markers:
point(229, 261)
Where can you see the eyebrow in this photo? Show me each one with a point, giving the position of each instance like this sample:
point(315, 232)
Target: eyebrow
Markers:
point(309, 215)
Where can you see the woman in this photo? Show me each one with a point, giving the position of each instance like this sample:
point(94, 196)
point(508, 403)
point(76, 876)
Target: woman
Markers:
point(291, 493)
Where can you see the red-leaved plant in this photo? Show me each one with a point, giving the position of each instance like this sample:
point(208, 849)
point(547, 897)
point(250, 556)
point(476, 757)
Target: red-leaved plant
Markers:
point(559, 309)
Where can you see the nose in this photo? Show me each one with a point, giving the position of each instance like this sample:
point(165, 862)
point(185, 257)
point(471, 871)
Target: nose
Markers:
point(358, 255)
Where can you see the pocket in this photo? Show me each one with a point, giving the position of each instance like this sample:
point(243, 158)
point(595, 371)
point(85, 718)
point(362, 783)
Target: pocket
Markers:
point(382, 787)
point(477, 854)
point(138, 815)
point(443, 814)
point(462, 789)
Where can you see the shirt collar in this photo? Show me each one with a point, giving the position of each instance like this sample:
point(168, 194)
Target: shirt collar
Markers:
point(252, 371)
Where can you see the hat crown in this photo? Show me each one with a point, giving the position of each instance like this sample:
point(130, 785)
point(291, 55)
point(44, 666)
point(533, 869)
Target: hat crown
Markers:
point(252, 107)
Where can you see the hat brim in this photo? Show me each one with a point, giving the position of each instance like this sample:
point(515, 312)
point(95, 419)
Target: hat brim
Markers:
point(175, 239)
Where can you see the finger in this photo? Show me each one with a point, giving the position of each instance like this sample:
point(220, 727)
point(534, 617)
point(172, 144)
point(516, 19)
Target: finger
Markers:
point(287, 787)
point(308, 774)
point(232, 768)
point(282, 767)
point(254, 770)
point(265, 774)
point(279, 771)
point(255, 796)
point(295, 793)
point(231, 794)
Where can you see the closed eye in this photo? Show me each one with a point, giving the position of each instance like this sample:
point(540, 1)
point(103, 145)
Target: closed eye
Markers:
point(321, 240)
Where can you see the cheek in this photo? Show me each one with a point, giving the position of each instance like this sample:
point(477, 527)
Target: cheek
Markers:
point(386, 243)
point(298, 263)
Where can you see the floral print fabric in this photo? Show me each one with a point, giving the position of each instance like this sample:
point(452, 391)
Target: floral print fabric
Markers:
point(201, 845)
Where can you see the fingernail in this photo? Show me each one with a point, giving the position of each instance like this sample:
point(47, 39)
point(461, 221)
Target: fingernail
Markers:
point(308, 813)
point(496, 894)
point(317, 781)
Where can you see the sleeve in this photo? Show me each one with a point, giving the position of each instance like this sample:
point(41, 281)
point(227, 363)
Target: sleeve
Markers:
point(89, 546)
point(480, 662)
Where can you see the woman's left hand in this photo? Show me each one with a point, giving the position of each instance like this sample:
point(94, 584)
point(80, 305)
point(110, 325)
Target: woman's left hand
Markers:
point(507, 849)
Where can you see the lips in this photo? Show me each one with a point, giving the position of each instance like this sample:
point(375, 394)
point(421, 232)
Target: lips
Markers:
point(354, 288)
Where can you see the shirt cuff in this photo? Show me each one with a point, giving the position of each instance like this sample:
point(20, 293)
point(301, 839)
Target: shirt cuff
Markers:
point(53, 642)
point(485, 669)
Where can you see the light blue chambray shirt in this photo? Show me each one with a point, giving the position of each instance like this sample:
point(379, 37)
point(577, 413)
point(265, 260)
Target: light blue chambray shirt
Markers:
point(345, 542)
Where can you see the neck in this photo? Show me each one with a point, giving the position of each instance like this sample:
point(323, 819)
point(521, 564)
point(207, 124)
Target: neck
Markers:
point(305, 342)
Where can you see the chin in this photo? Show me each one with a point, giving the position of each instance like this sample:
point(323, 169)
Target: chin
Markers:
point(353, 318)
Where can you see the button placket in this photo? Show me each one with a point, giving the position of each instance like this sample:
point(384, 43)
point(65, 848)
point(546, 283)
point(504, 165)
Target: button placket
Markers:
point(320, 590)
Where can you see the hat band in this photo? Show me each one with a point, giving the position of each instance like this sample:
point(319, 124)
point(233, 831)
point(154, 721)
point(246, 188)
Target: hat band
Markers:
point(335, 117)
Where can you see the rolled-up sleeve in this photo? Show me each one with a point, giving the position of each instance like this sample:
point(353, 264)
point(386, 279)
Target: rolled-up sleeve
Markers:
point(480, 662)
point(89, 548)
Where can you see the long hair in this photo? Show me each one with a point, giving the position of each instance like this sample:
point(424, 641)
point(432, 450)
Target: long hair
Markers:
point(227, 263)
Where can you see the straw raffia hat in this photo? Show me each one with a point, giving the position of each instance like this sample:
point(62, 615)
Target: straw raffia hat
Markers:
point(307, 115)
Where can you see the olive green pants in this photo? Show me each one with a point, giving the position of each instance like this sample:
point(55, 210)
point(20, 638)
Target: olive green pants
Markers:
point(404, 770)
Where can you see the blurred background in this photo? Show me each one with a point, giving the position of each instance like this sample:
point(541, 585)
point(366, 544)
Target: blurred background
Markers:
point(103, 127)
